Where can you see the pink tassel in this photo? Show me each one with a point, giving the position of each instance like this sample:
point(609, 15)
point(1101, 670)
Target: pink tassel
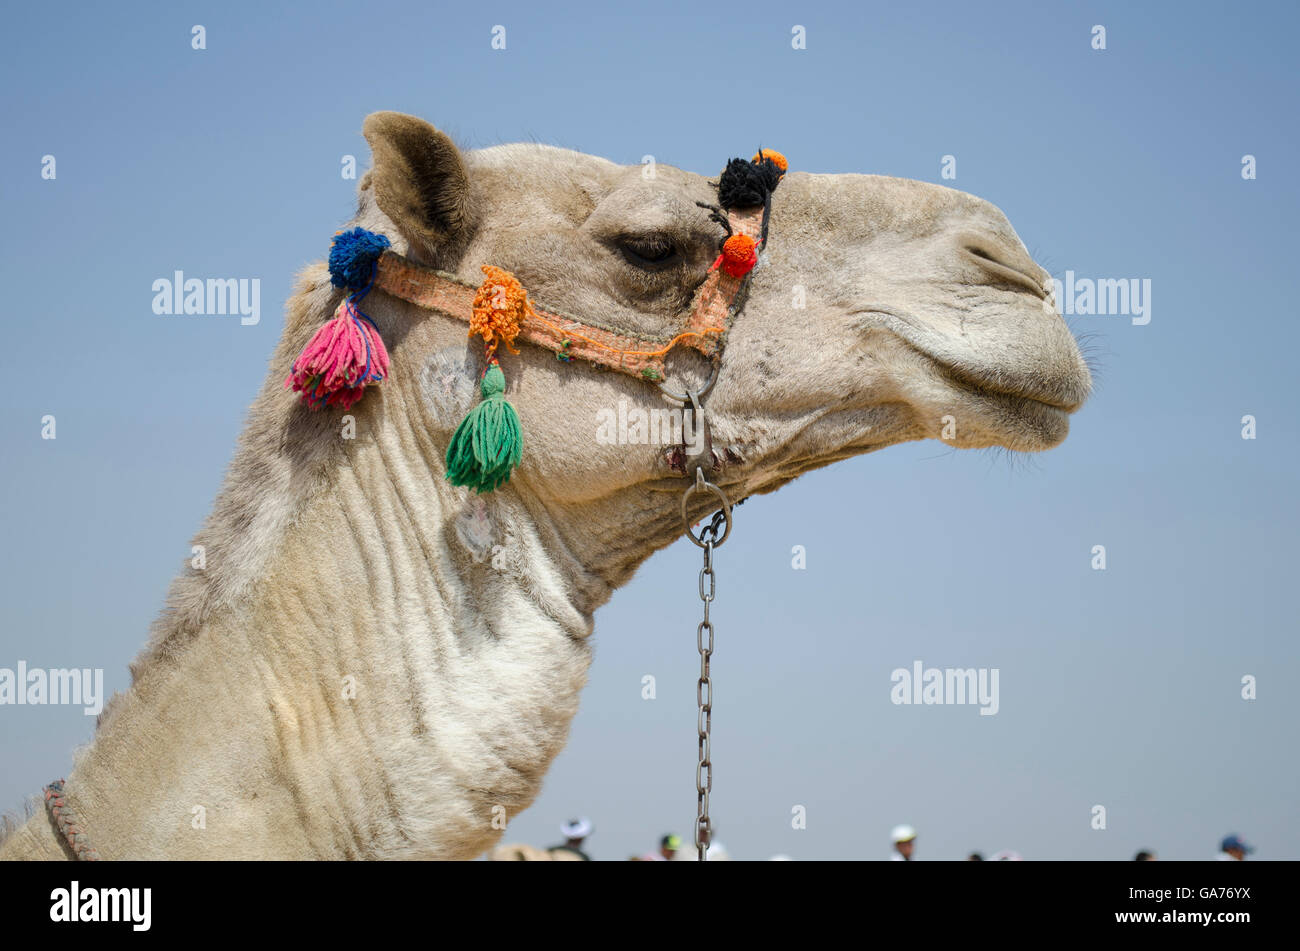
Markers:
point(343, 357)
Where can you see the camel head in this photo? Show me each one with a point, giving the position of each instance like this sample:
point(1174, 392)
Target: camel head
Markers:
point(882, 310)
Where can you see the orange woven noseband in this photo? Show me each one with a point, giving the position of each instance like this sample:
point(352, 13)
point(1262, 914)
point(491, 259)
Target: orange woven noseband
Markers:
point(501, 320)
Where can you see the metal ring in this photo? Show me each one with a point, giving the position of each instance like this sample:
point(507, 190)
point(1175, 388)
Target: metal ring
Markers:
point(686, 397)
point(701, 483)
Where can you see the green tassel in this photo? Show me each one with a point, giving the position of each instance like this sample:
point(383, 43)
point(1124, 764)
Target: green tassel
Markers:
point(488, 443)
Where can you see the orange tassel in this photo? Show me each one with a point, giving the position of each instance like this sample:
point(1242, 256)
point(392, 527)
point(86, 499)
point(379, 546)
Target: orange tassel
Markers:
point(500, 306)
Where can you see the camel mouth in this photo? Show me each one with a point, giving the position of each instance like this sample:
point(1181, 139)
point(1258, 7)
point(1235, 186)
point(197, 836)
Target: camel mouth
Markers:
point(1024, 418)
point(1064, 397)
point(1065, 389)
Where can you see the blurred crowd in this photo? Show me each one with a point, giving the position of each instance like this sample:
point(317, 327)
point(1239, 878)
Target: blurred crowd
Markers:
point(672, 848)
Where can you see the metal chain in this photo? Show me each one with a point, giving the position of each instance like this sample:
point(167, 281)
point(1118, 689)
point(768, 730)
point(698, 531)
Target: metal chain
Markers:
point(709, 538)
point(704, 700)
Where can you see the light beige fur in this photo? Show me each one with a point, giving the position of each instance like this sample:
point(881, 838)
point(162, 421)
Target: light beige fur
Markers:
point(463, 622)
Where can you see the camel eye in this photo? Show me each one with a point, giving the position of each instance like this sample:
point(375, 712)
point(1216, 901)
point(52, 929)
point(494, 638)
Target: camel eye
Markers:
point(649, 251)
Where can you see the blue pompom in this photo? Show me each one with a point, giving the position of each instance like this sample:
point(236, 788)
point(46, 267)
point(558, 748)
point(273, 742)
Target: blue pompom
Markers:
point(353, 255)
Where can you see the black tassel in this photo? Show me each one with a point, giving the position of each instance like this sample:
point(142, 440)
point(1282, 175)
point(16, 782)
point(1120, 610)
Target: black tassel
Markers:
point(746, 184)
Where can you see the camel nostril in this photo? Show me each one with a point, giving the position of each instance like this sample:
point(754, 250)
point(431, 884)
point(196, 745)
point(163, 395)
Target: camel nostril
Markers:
point(984, 254)
point(1006, 273)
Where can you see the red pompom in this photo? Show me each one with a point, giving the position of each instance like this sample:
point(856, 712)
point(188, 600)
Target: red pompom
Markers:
point(739, 255)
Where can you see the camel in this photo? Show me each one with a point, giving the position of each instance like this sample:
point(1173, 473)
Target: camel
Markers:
point(377, 664)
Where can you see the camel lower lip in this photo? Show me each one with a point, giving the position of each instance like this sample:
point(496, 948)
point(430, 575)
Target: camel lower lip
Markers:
point(1030, 422)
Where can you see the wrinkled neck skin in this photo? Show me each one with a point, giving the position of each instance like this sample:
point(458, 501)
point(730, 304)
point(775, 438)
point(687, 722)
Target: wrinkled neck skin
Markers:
point(373, 663)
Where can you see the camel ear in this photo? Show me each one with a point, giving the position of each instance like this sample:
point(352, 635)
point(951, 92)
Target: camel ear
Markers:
point(419, 181)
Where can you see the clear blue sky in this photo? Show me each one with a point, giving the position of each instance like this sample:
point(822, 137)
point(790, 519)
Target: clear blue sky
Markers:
point(1119, 688)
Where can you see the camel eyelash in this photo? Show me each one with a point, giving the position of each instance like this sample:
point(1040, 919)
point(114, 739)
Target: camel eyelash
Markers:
point(652, 252)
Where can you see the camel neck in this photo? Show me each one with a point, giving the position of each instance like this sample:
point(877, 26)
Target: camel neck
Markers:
point(395, 683)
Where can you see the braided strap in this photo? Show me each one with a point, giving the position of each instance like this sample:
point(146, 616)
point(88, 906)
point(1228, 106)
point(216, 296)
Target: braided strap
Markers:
point(65, 820)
